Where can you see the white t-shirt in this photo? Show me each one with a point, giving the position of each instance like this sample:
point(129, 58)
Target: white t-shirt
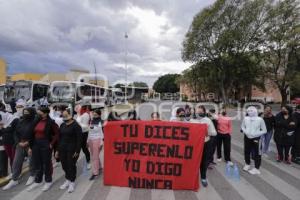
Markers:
point(84, 121)
point(95, 132)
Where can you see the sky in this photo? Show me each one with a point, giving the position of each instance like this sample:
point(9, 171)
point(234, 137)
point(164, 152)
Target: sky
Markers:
point(58, 35)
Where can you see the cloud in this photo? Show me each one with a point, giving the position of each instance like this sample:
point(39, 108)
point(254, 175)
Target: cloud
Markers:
point(56, 35)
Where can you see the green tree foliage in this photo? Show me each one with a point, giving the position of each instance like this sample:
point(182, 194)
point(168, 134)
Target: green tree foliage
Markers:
point(139, 84)
point(223, 35)
point(167, 84)
point(242, 42)
point(281, 39)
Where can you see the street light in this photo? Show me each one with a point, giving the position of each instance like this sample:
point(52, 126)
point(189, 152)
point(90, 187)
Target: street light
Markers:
point(126, 67)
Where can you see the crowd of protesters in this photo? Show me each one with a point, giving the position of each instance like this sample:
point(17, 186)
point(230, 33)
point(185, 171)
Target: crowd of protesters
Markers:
point(56, 133)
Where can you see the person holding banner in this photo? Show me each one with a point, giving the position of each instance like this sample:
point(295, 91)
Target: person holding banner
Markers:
point(69, 145)
point(253, 127)
point(201, 117)
point(178, 114)
point(95, 142)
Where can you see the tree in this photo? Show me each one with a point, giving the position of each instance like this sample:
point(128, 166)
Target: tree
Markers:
point(282, 39)
point(167, 84)
point(139, 84)
point(222, 35)
point(119, 85)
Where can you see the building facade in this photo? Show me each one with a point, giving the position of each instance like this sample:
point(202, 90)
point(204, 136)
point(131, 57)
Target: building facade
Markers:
point(2, 71)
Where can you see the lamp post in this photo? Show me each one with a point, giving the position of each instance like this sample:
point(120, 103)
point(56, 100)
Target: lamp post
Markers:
point(126, 67)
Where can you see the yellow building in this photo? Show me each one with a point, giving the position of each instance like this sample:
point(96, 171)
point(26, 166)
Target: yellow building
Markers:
point(2, 71)
point(27, 77)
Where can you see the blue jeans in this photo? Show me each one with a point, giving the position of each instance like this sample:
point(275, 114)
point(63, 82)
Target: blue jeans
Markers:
point(266, 139)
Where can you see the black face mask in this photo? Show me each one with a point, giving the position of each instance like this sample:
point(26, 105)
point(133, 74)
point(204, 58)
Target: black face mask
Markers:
point(26, 116)
point(181, 116)
point(66, 120)
point(201, 114)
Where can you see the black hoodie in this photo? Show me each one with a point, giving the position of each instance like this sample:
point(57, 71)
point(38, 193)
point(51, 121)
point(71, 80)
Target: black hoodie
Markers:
point(24, 130)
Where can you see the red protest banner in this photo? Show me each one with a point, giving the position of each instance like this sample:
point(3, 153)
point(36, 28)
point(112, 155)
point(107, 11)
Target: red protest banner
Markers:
point(153, 154)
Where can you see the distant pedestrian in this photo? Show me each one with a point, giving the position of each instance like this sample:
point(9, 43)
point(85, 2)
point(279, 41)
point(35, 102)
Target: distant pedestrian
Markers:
point(155, 116)
point(253, 127)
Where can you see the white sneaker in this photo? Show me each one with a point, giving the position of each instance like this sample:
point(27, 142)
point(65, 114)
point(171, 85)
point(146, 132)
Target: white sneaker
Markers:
point(71, 187)
point(47, 186)
point(33, 186)
point(88, 166)
point(65, 185)
point(246, 168)
point(219, 160)
point(30, 180)
point(254, 171)
point(10, 185)
point(8, 177)
point(230, 163)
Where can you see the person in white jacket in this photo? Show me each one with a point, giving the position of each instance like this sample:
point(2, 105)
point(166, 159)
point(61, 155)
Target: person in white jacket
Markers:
point(253, 127)
point(201, 117)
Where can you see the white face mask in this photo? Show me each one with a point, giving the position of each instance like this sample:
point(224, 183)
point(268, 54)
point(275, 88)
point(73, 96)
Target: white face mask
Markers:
point(57, 113)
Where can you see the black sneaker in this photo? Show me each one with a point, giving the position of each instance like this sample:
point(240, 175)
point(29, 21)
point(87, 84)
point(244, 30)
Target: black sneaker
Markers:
point(93, 177)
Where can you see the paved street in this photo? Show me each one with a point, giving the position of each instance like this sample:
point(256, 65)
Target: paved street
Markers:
point(277, 181)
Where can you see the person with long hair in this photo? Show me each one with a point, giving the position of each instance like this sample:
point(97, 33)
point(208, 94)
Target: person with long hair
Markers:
point(23, 134)
point(224, 129)
point(69, 146)
point(269, 119)
point(83, 119)
point(95, 141)
point(45, 135)
point(284, 135)
point(201, 117)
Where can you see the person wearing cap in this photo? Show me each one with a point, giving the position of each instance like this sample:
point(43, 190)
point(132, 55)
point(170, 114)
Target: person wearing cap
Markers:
point(253, 127)
point(45, 135)
point(83, 118)
point(23, 134)
point(296, 146)
point(95, 141)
